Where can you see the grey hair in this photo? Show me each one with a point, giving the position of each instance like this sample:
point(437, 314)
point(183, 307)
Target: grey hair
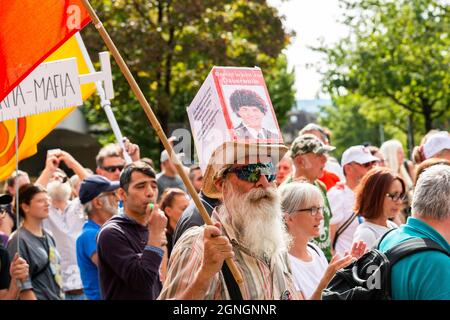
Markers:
point(297, 195)
point(88, 208)
point(432, 193)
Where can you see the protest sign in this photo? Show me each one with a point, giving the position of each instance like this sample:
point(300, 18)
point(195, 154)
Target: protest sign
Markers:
point(232, 105)
point(51, 86)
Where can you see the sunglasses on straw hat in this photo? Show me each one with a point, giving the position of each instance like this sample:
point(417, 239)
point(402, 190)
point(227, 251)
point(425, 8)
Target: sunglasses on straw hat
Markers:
point(253, 172)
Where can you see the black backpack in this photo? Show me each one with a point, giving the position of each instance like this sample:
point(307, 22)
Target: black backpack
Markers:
point(369, 278)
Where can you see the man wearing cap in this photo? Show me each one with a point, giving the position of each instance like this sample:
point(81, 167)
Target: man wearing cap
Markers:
point(248, 228)
point(251, 108)
point(332, 173)
point(356, 161)
point(98, 196)
point(437, 146)
point(168, 177)
point(129, 245)
point(309, 156)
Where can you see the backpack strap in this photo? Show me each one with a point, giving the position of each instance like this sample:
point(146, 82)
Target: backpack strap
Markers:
point(233, 287)
point(411, 246)
point(342, 228)
point(312, 247)
point(377, 246)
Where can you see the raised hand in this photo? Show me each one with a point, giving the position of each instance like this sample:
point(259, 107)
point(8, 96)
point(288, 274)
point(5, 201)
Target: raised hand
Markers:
point(157, 223)
point(217, 248)
point(132, 149)
point(358, 249)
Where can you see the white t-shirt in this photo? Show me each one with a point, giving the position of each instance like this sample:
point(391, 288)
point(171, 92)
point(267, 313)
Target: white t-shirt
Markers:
point(341, 201)
point(65, 228)
point(307, 275)
point(370, 232)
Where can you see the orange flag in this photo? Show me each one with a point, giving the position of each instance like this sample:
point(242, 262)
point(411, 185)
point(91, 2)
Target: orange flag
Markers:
point(33, 129)
point(31, 30)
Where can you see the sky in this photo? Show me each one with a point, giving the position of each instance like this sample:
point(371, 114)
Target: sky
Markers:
point(311, 20)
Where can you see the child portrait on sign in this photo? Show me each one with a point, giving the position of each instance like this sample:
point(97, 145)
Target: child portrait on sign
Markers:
point(250, 113)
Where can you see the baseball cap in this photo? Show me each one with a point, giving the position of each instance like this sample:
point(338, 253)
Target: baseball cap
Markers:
point(95, 184)
point(436, 143)
point(5, 199)
point(307, 143)
point(310, 127)
point(358, 154)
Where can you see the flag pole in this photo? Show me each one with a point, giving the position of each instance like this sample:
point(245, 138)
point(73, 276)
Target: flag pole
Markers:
point(156, 125)
point(16, 198)
point(105, 103)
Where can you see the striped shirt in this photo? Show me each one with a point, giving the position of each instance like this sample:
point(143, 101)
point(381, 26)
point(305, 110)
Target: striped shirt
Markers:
point(263, 279)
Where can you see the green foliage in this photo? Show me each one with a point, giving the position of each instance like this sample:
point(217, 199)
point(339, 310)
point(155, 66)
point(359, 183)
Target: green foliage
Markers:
point(354, 120)
point(170, 47)
point(397, 58)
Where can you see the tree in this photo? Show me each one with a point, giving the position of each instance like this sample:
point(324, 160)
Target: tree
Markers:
point(351, 125)
point(397, 54)
point(170, 47)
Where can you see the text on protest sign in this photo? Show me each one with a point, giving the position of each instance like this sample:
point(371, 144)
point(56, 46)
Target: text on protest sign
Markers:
point(51, 86)
point(232, 105)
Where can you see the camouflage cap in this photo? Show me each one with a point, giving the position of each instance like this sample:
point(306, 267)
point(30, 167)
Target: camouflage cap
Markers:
point(307, 143)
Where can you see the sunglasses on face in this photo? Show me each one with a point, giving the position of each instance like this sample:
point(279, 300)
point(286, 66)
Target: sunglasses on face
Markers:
point(253, 172)
point(113, 168)
point(396, 196)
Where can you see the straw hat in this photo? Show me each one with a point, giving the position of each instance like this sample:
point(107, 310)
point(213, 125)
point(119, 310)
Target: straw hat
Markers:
point(230, 153)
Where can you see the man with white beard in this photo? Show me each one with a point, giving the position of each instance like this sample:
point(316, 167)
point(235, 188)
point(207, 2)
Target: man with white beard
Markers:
point(99, 198)
point(65, 220)
point(248, 228)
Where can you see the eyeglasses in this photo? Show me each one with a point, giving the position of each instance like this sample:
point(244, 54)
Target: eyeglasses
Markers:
point(63, 179)
point(113, 168)
point(396, 196)
point(313, 211)
point(252, 172)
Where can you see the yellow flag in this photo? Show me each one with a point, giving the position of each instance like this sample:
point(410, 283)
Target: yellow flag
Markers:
point(33, 129)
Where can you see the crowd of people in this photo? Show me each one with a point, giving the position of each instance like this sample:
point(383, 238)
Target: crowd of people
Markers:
point(289, 220)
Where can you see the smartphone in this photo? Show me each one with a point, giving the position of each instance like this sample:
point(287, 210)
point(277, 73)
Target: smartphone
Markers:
point(53, 151)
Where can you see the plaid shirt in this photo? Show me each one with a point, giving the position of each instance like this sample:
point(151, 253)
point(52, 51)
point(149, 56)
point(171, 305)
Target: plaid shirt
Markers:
point(263, 279)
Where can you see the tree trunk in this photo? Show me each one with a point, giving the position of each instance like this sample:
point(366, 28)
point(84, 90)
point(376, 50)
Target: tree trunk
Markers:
point(426, 112)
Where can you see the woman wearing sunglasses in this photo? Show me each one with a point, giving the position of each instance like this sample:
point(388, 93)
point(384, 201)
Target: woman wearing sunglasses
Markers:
point(379, 198)
point(302, 204)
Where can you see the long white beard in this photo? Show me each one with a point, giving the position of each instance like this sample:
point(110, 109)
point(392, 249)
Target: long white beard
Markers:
point(59, 191)
point(257, 220)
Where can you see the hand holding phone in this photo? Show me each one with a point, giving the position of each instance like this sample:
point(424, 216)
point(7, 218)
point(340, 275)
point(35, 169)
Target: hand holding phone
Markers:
point(52, 156)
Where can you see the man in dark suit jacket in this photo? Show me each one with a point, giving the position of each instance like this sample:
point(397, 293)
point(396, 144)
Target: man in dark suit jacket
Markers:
point(242, 132)
point(251, 108)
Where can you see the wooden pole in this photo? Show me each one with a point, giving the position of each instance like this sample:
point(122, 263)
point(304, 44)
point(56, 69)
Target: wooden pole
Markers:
point(155, 123)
